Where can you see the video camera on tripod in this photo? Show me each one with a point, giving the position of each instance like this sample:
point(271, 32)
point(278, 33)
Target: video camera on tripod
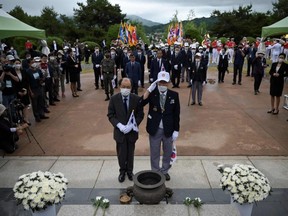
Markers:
point(16, 108)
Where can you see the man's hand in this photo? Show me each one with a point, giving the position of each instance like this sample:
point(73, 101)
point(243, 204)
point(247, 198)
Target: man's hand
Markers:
point(204, 83)
point(139, 83)
point(128, 128)
point(121, 127)
point(114, 77)
point(101, 77)
point(152, 86)
point(175, 135)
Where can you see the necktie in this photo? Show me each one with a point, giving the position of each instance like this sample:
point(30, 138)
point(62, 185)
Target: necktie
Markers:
point(159, 62)
point(162, 101)
point(125, 104)
point(197, 65)
point(132, 64)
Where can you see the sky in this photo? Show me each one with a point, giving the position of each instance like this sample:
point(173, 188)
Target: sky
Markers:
point(160, 11)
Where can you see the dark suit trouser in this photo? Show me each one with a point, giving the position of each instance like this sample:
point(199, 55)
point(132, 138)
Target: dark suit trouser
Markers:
point(97, 75)
point(249, 65)
point(142, 76)
point(135, 88)
point(221, 74)
point(125, 154)
point(237, 71)
point(37, 104)
point(176, 77)
point(257, 81)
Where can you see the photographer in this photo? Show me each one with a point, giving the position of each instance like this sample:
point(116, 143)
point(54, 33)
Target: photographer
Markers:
point(9, 77)
point(9, 135)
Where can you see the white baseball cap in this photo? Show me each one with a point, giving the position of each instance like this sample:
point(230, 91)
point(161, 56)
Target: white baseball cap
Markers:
point(163, 76)
point(198, 54)
point(10, 57)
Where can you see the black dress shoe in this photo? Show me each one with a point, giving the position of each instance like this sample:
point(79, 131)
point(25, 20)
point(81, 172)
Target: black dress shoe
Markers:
point(52, 104)
point(200, 104)
point(78, 89)
point(56, 100)
point(167, 176)
point(193, 103)
point(44, 117)
point(46, 110)
point(130, 176)
point(121, 177)
point(37, 119)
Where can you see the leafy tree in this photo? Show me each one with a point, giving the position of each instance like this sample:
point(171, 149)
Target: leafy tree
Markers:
point(19, 13)
point(97, 13)
point(48, 21)
point(280, 9)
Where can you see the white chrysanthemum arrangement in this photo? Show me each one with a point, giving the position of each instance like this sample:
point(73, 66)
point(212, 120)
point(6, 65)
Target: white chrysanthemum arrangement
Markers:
point(245, 183)
point(38, 190)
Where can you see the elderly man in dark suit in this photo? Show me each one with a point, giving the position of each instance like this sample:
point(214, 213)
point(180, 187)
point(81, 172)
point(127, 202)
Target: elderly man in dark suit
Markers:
point(198, 76)
point(158, 64)
point(97, 57)
point(133, 72)
point(120, 108)
point(163, 121)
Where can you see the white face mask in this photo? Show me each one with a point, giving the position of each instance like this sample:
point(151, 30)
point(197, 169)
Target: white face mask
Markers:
point(52, 58)
point(162, 89)
point(34, 65)
point(197, 60)
point(125, 91)
point(17, 66)
point(280, 60)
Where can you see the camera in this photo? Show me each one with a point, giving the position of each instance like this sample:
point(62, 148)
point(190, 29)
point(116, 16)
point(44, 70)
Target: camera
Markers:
point(7, 67)
point(18, 105)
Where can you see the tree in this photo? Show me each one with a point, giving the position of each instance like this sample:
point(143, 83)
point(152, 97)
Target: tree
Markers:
point(18, 13)
point(280, 9)
point(238, 23)
point(48, 21)
point(97, 14)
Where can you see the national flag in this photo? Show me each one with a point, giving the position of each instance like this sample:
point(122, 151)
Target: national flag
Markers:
point(173, 155)
point(132, 122)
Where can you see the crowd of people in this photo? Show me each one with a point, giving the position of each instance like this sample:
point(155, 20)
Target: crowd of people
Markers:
point(39, 80)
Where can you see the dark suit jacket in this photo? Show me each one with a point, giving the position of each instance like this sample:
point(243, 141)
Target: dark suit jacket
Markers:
point(133, 73)
point(117, 114)
point(170, 116)
point(155, 69)
point(97, 59)
point(200, 74)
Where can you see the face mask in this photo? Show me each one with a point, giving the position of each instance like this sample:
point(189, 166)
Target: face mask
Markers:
point(128, 54)
point(162, 88)
point(112, 53)
point(59, 56)
point(186, 49)
point(18, 66)
point(34, 65)
point(125, 91)
point(97, 50)
point(176, 52)
point(197, 60)
point(139, 53)
point(125, 51)
point(280, 60)
point(52, 58)
point(200, 51)
point(28, 57)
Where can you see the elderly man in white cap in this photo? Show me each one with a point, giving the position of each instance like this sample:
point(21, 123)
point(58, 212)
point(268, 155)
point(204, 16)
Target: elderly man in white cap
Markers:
point(162, 122)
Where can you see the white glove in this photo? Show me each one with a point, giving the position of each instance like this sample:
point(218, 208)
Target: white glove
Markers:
point(127, 128)
point(121, 127)
point(191, 81)
point(139, 83)
point(176, 67)
point(114, 77)
point(97, 65)
point(189, 68)
point(151, 79)
point(101, 77)
point(175, 135)
point(152, 86)
point(203, 83)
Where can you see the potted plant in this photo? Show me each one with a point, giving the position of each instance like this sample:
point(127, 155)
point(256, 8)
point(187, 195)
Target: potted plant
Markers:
point(246, 185)
point(40, 191)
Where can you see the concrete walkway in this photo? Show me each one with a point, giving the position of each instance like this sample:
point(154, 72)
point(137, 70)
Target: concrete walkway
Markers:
point(191, 176)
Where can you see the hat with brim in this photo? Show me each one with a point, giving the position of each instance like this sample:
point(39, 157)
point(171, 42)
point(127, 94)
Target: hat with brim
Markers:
point(163, 76)
point(260, 52)
point(10, 57)
point(61, 52)
point(37, 59)
point(2, 109)
point(198, 54)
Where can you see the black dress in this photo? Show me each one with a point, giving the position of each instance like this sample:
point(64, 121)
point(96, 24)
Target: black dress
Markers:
point(71, 69)
point(277, 83)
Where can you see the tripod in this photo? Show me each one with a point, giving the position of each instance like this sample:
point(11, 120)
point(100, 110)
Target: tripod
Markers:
point(16, 115)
